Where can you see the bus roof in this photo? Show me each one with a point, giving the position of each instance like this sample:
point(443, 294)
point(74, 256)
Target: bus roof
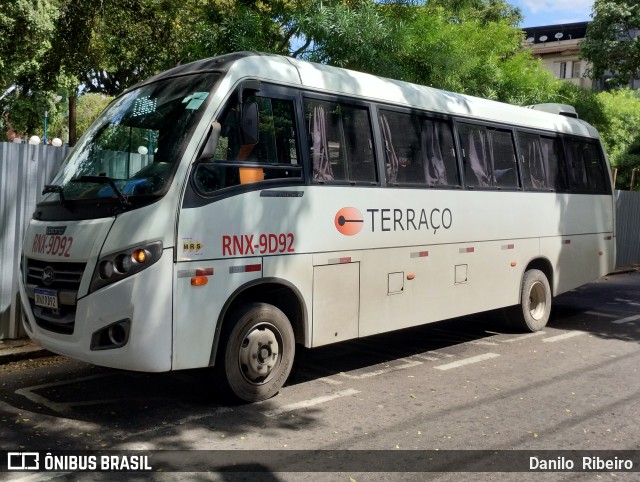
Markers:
point(334, 80)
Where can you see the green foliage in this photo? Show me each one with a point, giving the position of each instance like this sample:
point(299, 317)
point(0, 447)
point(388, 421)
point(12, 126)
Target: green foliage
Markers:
point(111, 46)
point(473, 49)
point(50, 47)
point(217, 28)
point(586, 102)
point(610, 44)
point(89, 107)
point(621, 134)
point(523, 81)
point(26, 27)
point(355, 36)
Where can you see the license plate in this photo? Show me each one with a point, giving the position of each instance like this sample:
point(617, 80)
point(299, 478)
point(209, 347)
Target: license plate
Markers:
point(46, 298)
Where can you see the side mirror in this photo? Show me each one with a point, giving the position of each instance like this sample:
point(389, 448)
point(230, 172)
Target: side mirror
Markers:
point(209, 148)
point(249, 124)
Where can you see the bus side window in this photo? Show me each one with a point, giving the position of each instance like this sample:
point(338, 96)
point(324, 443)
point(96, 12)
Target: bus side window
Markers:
point(586, 168)
point(418, 150)
point(533, 165)
point(504, 159)
point(577, 169)
point(274, 156)
point(489, 157)
point(340, 142)
point(596, 173)
point(542, 162)
point(478, 165)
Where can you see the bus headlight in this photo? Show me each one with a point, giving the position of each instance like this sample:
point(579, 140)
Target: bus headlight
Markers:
point(106, 269)
point(122, 264)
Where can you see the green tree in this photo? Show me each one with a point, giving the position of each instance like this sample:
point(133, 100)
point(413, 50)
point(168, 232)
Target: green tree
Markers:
point(473, 47)
point(469, 46)
point(90, 106)
point(26, 28)
point(611, 44)
point(586, 102)
point(353, 34)
point(621, 134)
point(111, 46)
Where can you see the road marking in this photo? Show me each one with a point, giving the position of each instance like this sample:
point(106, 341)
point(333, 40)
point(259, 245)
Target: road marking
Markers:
point(407, 364)
point(28, 392)
point(446, 355)
point(467, 361)
point(564, 336)
point(330, 381)
point(629, 302)
point(626, 320)
point(482, 342)
point(182, 421)
point(425, 357)
point(599, 313)
point(309, 403)
point(523, 337)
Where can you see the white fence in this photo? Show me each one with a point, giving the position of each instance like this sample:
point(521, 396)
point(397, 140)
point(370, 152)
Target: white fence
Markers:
point(25, 169)
point(628, 228)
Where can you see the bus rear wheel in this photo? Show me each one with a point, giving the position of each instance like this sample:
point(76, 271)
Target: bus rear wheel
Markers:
point(259, 352)
point(532, 314)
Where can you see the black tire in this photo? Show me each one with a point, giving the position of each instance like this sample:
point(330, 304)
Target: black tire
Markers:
point(259, 347)
point(532, 314)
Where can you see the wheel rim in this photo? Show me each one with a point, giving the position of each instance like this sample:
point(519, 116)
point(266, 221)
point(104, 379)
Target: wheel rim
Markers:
point(537, 301)
point(259, 354)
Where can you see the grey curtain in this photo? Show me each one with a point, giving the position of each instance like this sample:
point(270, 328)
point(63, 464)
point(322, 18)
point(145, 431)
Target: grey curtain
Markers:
point(435, 171)
point(479, 157)
point(391, 157)
point(320, 147)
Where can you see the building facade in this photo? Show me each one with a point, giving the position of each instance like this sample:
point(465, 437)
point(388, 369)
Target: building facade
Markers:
point(558, 46)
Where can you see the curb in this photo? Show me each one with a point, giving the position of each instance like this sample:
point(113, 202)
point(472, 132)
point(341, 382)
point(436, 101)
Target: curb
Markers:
point(19, 350)
point(624, 270)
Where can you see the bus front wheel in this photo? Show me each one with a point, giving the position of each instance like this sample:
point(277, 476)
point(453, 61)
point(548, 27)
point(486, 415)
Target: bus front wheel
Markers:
point(532, 314)
point(259, 352)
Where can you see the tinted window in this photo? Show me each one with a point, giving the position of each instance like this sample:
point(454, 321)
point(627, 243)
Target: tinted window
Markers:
point(418, 150)
point(489, 157)
point(542, 162)
point(340, 142)
point(274, 156)
point(586, 168)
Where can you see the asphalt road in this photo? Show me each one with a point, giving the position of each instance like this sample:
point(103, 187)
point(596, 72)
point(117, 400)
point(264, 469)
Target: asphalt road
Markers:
point(463, 384)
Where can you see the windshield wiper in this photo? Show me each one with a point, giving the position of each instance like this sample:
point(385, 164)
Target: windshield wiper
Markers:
point(57, 189)
point(124, 201)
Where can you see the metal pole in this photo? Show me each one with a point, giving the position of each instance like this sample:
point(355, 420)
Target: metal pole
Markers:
point(633, 178)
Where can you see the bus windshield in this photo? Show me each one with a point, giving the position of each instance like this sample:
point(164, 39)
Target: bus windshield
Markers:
point(133, 147)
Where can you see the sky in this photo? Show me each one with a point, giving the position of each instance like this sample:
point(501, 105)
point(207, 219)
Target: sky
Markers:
point(551, 12)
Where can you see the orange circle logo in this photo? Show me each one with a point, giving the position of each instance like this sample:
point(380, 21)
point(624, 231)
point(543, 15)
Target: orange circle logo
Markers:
point(349, 221)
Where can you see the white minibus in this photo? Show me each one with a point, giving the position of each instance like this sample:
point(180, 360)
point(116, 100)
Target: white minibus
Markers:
point(227, 210)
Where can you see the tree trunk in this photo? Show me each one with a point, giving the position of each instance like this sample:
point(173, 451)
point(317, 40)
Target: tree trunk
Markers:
point(72, 120)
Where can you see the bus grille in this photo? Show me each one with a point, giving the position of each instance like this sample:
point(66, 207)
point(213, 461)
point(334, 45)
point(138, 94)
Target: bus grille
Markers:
point(66, 278)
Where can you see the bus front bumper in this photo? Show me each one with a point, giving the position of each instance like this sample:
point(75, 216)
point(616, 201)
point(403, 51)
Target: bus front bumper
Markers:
point(126, 325)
